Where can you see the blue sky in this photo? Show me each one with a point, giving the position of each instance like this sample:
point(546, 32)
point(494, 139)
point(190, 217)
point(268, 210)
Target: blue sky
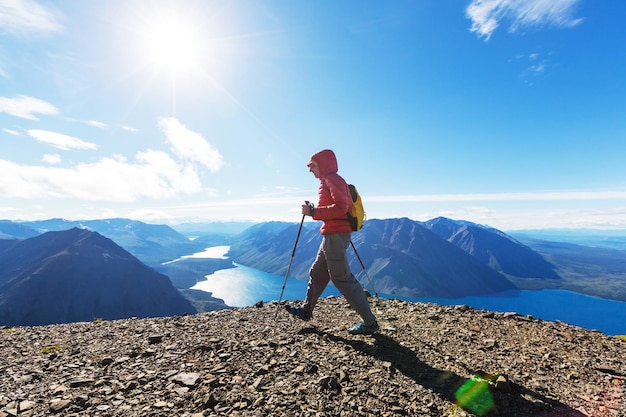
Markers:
point(506, 113)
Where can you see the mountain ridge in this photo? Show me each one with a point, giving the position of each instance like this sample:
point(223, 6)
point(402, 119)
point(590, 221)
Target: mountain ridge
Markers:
point(406, 258)
point(79, 275)
point(544, 266)
point(494, 248)
point(427, 360)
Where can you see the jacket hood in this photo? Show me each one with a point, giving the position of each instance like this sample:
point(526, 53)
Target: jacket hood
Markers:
point(326, 161)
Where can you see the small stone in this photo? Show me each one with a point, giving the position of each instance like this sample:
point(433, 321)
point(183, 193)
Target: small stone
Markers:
point(210, 401)
point(343, 376)
point(263, 370)
point(298, 369)
point(148, 352)
point(79, 382)
point(187, 379)
point(502, 384)
point(58, 404)
point(27, 405)
point(490, 343)
point(60, 389)
point(312, 369)
point(258, 383)
point(106, 361)
point(328, 383)
point(131, 385)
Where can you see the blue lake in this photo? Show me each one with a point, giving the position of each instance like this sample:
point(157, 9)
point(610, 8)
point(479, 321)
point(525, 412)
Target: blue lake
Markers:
point(243, 286)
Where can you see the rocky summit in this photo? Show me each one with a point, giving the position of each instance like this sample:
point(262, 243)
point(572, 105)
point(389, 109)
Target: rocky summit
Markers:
point(427, 360)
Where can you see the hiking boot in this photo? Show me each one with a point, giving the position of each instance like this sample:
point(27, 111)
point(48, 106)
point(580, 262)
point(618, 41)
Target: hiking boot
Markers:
point(361, 328)
point(298, 312)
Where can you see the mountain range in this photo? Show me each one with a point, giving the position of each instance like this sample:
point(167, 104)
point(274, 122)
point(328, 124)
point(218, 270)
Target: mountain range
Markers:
point(439, 258)
point(151, 243)
point(447, 258)
point(120, 262)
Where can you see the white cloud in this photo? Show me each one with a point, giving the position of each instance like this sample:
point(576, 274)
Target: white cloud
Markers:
point(26, 107)
point(190, 146)
point(534, 71)
point(51, 159)
point(153, 175)
point(547, 196)
point(27, 16)
point(11, 132)
point(97, 124)
point(60, 140)
point(486, 15)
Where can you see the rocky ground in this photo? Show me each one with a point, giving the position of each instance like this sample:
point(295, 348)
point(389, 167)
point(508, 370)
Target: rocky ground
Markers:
point(427, 360)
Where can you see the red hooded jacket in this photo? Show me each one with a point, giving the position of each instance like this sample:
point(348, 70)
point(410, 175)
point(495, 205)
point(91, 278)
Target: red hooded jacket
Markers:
point(334, 196)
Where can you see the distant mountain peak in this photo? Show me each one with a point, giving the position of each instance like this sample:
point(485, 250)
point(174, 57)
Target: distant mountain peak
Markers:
point(80, 275)
point(494, 248)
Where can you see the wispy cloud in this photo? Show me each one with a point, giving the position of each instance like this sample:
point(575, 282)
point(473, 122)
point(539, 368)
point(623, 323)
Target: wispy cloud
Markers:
point(23, 17)
point(189, 145)
point(51, 158)
point(130, 129)
point(59, 140)
point(11, 132)
point(95, 123)
point(535, 65)
point(547, 196)
point(533, 71)
point(26, 107)
point(487, 15)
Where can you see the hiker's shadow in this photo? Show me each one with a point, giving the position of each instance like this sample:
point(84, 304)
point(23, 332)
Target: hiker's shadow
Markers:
point(476, 395)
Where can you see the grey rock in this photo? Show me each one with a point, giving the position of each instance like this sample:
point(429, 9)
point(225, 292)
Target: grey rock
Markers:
point(245, 362)
point(187, 379)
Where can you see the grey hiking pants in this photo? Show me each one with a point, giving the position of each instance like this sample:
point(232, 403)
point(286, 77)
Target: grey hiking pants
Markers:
point(332, 264)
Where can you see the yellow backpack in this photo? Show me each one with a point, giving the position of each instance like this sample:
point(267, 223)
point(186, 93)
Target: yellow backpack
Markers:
point(356, 215)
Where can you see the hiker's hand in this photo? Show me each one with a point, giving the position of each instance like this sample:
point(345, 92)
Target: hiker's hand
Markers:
point(307, 209)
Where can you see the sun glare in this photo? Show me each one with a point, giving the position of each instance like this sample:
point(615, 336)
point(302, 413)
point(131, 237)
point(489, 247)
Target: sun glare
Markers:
point(179, 49)
point(173, 45)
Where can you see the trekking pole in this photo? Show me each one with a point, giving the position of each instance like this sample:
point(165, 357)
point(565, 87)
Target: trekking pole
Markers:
point(290, 261)
point(364, 270)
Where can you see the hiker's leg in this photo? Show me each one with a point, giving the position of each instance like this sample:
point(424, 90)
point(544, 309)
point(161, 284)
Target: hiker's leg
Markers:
point(335, 247)
point(318, 280)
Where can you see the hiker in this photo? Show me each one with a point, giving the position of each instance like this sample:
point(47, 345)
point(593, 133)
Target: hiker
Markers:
point(331, 262)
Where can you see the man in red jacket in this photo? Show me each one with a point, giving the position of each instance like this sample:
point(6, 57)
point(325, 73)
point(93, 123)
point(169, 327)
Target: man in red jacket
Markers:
point(332, 260)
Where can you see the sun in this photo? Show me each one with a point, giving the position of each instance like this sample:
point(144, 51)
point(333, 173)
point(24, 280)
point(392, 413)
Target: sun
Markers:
point(172, 44)
point(173, 39)
point(177, 50)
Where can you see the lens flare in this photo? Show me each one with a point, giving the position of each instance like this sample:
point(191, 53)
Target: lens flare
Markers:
point(475, 396)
